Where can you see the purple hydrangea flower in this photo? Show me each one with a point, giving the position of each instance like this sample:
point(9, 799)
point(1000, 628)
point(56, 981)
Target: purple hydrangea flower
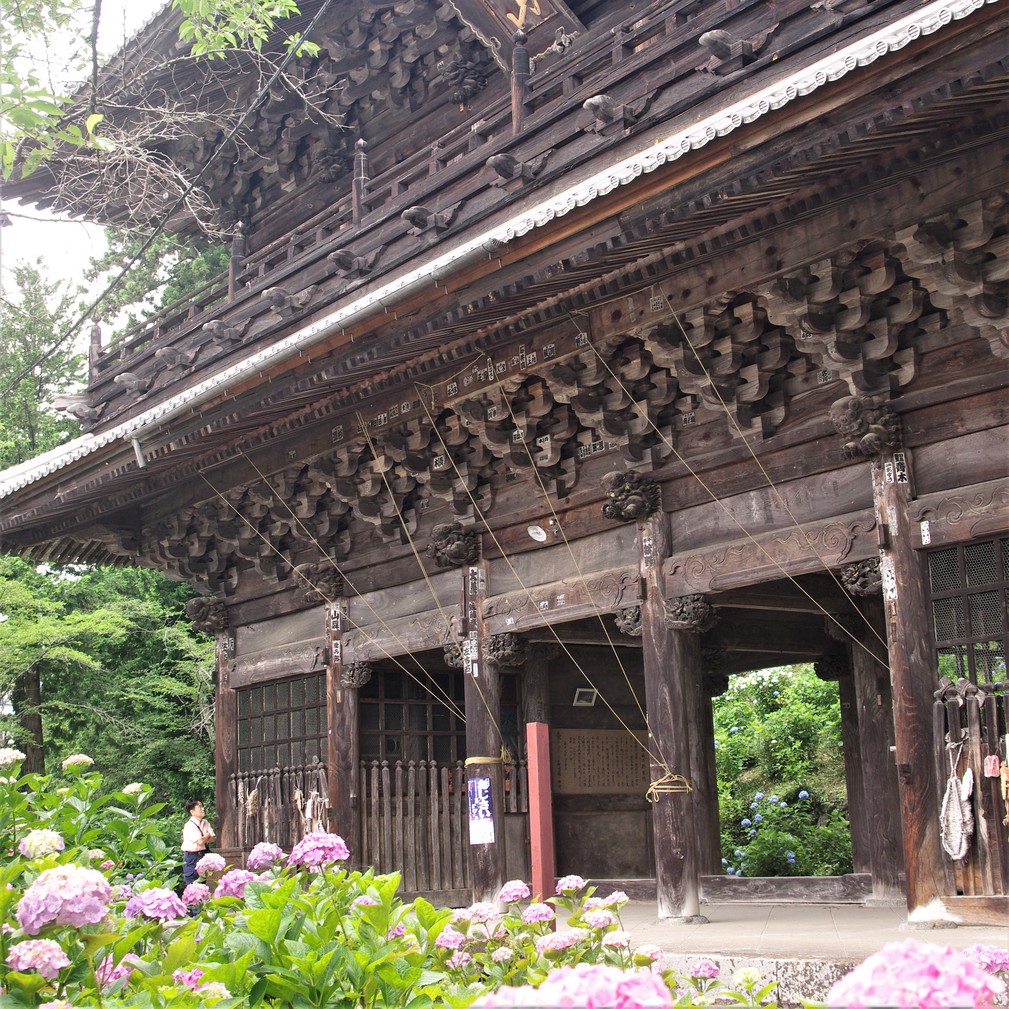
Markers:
point(195, 894)
point(319, 848)
point(600, 918)
point(514, 890)
point(704, 969)
point(565, 938)
point(450, 938)
point(108, 971)
point(364, 901)
point(233, 883)
point(66, 895)
point(188, 978)
point(537, 912)
point(43, 955)
point(210, 864)
point(264, 856)
point(458, 959)
point(745, 822)
point(502, 954)
point(158, 903)
point(569, 884)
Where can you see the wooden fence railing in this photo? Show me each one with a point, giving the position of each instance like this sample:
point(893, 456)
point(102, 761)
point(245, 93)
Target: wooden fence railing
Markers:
point(281, 805)
point(413, 818)
point(969, 731)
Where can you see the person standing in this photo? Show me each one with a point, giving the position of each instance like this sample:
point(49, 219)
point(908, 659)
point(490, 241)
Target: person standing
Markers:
point(196, 835)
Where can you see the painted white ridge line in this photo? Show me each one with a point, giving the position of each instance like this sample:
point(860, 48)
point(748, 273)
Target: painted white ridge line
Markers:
point(798, 83)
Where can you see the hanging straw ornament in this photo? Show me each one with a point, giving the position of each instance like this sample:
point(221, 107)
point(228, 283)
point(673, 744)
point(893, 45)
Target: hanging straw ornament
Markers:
point(956, 819)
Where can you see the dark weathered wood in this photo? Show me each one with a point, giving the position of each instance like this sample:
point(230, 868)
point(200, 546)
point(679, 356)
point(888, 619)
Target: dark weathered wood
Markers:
point(672, 667)
point(225, 743)
point(981, 855)
point(980, 910)
point(704, 777)
point(877, 767)
point(343, 755)
point(860, 857)
point(850, 889)
point(993, 798)
point(913, 682)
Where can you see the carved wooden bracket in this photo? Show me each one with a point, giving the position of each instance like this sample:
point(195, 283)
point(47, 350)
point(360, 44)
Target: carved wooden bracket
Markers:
point(318, 583)
point(453, 655)
point(690, 613)
point(511, 173)
point(208, 614)
point(609, 116)
point(863, 578)
point(355, 674)
point(507, 649)
point(288, 305)
point(628, 621)
point(631, 496)
point(428, 222)
point(451, 546)
point(728, 52)
point(867, 424)
point(468, 77)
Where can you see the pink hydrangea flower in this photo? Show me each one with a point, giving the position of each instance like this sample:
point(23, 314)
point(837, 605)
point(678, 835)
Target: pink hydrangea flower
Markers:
point(913, 974)
point(188, 978)
point(600, 918)
point(318, 849)
point(592, 903)
point(587, 986)
point(107, 971)
point(122, 891)
point(565, 938)
point(538, 912)
point(514, 890)
point(618, 939)
point(106, 865)
point(483, 912)
point(264, 856)
point(157, 903)
point(364, 901)
point(502, 954)
point(647, 952)
point(449, 938)
point(76, 761)
point(462, 914)
point(60, 1003)
point(43, 955)
point(704, 969)
point(618, 897)
point(396, 931)
point(40, 842)
point(457, 960)
point(992, 959)
point(65, 895)
point(195, 894)
point(569, 884)
point(233, 883)
point(210, 865)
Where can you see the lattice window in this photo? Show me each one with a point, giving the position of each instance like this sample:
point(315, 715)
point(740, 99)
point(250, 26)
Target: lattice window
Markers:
point(282, 724)
point(968, 591)
point(400, 719)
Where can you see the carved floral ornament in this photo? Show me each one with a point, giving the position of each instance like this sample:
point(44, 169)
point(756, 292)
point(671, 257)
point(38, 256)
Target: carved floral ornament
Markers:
point(628, 621)
point(863, 578)
point(867, 424)
point(451, 546)
point(508, 649)
point(355, 674)
point(208, 614)
point(690, 613)
point(631, 496)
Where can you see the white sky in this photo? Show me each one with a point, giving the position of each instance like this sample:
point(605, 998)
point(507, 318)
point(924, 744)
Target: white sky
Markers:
point(66, 246)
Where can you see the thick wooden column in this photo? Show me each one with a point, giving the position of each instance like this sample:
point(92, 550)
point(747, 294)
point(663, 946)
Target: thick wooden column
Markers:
point(225, 743)
point(871, 429)
point(912, 680)
point(672, 668)
point(484, 771)
point(704, 776)
point(343, 753)
point(879, 774)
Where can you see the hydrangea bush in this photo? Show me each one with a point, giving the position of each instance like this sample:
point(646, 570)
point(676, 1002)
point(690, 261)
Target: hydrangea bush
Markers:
point(99, 922)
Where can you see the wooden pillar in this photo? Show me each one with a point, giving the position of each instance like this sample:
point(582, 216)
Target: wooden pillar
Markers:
point(343, 680)
point(484, 771)
point(541, 815)
point(520, 81)
point(873, 698)
point(704, 776)
point(854, 773)
point(225, 743)
point(871, 429)
point(672, 664)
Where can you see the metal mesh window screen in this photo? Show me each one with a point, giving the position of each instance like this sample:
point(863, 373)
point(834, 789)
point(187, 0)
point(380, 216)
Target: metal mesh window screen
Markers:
point(282, 724)
point(969, 600)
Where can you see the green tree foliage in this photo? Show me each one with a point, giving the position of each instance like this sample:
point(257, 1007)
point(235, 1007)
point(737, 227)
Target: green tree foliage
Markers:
point(172, 267)
point(781, 790)
point(122, 676)
point(34, 366)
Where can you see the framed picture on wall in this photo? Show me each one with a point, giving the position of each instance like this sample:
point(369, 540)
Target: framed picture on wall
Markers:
point(585, 697)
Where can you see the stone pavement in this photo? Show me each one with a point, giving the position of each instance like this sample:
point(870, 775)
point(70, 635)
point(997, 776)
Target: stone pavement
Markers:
point(805, 947)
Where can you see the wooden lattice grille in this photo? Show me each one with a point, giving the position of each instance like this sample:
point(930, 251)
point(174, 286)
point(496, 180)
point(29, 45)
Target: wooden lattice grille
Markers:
point(282, 724)
point(968, 589)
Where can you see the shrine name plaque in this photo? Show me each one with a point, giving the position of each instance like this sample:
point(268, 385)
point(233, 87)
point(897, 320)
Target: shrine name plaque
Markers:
point(598, 762)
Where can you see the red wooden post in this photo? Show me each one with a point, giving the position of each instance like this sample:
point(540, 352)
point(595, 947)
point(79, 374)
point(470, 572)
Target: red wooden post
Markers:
point(541, 816)
point(225, 743)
